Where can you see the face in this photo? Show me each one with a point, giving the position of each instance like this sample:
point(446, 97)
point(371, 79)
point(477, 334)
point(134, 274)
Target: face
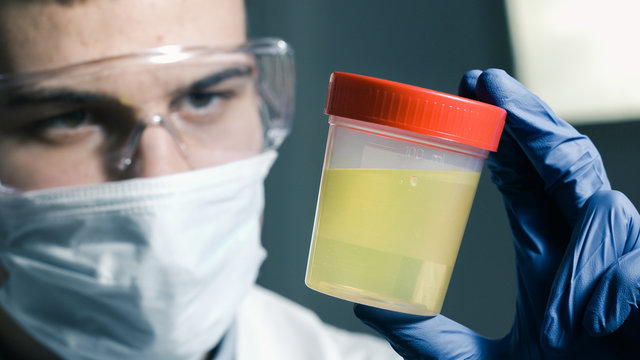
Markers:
point(125, 119)
point(47, 143)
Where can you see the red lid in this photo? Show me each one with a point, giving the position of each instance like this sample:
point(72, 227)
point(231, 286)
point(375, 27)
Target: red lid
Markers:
point(415, 109)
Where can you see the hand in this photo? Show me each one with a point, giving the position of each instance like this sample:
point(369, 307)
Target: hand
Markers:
point(576, 245)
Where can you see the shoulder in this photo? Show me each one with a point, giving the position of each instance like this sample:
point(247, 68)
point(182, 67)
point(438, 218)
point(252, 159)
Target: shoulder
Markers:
point(276, 327)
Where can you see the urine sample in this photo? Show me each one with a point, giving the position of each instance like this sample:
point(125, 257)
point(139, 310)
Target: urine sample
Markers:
point(400, 173)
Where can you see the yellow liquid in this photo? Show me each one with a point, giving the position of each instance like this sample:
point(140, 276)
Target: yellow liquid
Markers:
point(389, 238)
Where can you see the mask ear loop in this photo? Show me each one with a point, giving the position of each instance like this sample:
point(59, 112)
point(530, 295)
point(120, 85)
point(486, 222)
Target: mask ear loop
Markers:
point(136, 134)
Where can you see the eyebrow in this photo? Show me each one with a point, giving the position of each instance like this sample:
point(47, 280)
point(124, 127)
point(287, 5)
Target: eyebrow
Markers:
point(215, 79)
point(78, 97)
point(57, 95)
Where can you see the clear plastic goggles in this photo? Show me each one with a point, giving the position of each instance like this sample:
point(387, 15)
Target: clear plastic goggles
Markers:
point(217, 105)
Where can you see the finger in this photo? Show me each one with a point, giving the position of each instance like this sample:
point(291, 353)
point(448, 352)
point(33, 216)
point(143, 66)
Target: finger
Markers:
point(540, 232)
point(511, 170)
point(539, 229)
point(599, 239)
point(566, 161)
point(545, 171)
point(467, 86)
point(615, 297)
point(428, 337)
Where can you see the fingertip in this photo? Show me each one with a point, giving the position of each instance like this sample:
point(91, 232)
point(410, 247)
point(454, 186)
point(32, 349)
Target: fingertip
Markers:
point(552, 336)
point(363, 312)
point(595, 324)
point(603, 317)
point(467, 86)
point(496, 86)
point(368, 313)
point(615, 297)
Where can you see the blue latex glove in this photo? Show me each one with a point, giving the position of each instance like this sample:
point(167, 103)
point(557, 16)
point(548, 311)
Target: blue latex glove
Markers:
point(576, 246)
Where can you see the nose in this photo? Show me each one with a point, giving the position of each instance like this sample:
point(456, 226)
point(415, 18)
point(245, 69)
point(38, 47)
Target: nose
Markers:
point(159, 154)
point(158, 150)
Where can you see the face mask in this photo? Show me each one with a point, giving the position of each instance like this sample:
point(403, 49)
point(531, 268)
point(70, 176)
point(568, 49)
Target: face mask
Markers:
point(139, 269)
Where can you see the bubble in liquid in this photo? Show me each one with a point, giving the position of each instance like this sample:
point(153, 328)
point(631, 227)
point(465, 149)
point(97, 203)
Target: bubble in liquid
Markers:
point(414, 181)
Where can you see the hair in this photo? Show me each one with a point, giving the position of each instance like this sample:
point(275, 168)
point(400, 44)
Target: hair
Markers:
point(61, 2)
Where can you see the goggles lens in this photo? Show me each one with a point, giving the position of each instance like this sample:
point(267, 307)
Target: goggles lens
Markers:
point(215, 105)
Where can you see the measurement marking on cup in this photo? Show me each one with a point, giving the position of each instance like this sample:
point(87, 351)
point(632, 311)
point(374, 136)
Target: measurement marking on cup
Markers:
point(414, 153)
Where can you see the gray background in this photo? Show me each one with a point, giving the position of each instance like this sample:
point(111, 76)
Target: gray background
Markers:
point(426, 43)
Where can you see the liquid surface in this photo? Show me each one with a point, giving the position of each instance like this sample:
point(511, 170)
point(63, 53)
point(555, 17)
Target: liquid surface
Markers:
point(389, 238)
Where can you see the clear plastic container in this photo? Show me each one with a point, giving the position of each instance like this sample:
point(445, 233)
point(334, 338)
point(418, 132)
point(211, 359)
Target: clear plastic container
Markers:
point(401, 169)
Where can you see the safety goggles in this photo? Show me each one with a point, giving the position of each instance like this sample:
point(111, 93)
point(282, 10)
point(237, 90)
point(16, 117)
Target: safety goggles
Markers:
point(216, 105)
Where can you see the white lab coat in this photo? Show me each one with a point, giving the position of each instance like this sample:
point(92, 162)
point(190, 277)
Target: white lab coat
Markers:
point(270, 326)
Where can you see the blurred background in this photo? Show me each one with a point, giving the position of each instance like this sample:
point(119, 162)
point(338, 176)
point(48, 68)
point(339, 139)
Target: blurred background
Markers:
point(432, 44)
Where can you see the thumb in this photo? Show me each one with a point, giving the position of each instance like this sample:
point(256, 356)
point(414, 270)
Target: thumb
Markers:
point(429, 337)
point(566, 161)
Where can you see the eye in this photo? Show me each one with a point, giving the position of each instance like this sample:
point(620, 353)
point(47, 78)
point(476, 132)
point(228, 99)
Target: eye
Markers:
point(200, 100)
point(203, 101)
point(64, 128)
point(66, 121)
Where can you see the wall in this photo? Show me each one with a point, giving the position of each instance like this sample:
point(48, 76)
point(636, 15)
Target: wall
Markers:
point(421, 42)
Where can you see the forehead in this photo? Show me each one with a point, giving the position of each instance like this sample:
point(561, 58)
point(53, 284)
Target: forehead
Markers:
point(36, 35)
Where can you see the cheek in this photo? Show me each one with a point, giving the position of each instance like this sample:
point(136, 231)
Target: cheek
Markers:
point(241, 135)
point(251, 132)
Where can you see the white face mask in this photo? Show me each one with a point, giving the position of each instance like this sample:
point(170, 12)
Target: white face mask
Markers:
point(139, 269)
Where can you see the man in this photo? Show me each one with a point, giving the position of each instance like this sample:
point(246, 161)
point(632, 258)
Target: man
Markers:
point(132, 185)
point(132, 195)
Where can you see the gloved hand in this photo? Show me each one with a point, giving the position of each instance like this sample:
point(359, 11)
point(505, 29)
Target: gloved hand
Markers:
point(576, 246)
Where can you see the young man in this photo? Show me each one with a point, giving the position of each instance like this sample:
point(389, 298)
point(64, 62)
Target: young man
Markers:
point(132, 185)
point(132, 193)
